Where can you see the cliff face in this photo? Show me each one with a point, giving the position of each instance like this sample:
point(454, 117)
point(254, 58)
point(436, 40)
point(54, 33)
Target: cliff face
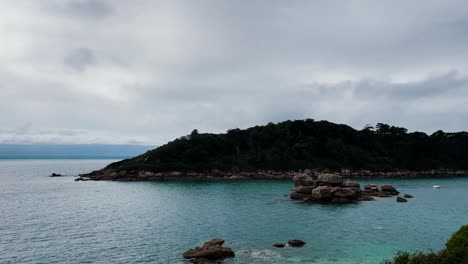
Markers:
point(386, 151)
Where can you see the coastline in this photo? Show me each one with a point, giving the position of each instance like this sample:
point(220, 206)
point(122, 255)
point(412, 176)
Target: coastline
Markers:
point(110, 174)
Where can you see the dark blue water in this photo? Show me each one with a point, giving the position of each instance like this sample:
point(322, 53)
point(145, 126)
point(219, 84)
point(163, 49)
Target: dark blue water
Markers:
point(57, 220)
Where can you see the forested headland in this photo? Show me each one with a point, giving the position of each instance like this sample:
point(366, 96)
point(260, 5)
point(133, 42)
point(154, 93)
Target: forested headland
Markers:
point(307, 144)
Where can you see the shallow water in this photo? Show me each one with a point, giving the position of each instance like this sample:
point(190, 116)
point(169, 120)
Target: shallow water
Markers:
point(57, 220)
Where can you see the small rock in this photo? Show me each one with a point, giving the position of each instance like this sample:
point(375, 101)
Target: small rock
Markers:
point(401, 199)
point(387, 188)
point(279, 245)
point(296, 243)
point(408, 196)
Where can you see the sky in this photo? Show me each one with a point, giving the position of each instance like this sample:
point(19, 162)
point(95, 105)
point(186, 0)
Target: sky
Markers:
point(146, 72)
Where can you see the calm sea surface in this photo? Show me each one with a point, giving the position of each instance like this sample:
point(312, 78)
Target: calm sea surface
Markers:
point(57, 220)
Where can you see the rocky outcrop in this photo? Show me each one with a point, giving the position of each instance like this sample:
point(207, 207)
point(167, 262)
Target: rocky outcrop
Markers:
point(296, 243)
point(210, 251)
point(303, 178)
point(408, 196)
point(331, 188)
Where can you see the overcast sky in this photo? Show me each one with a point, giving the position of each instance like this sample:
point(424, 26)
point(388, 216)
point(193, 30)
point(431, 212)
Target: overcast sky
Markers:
point(146, 72)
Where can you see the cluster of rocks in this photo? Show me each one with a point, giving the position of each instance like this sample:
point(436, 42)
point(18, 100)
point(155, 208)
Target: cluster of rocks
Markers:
point(292, 243)
point(331, 188)
point(212, 250)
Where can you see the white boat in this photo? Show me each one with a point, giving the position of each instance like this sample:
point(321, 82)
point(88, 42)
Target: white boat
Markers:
point(436, 186)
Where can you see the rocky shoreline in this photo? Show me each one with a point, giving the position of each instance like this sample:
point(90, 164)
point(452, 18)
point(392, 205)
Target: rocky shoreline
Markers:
point(115, 174)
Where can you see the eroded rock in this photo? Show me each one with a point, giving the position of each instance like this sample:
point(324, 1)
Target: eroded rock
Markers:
point(322, 193)
point(211, 250)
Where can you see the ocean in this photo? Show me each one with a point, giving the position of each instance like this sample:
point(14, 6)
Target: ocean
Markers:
point(57, 220)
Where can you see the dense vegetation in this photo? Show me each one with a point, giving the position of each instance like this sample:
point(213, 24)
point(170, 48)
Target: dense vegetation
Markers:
point(456, 252)
point(300, 144)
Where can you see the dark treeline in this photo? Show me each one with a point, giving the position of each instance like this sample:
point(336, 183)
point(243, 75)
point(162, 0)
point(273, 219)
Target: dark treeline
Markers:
point(300, 144)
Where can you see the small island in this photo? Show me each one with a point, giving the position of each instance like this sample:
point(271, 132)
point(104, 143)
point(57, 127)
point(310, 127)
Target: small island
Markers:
point(286, 149)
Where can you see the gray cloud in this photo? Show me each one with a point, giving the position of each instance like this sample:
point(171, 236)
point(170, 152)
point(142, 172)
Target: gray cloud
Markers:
point(87, 9)
point(79, 59)
point(150, 71)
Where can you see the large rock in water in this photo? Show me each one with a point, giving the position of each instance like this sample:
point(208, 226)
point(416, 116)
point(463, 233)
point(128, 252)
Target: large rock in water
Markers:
point(211, 250)
point(328, 178)
point(389, 189)
point(296, 243)
point(322, 193)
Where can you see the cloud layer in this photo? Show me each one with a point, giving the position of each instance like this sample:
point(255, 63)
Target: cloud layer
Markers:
point(102, 71)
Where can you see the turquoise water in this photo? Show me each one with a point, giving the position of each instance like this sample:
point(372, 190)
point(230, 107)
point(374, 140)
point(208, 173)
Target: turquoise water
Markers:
point(57, 220)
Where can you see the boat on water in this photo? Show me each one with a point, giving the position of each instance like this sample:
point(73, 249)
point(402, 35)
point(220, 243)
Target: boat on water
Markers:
point(436, 186)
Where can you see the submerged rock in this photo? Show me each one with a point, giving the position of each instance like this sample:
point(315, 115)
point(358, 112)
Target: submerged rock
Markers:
point(55, 175)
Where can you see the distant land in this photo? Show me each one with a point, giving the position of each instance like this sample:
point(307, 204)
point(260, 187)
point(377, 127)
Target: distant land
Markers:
point(70, 151)
point(297, 145)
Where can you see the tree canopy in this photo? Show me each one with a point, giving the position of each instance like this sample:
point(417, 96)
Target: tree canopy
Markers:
point(301, 144)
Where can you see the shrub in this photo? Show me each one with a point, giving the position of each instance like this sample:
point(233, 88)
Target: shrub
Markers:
point(456, 252)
